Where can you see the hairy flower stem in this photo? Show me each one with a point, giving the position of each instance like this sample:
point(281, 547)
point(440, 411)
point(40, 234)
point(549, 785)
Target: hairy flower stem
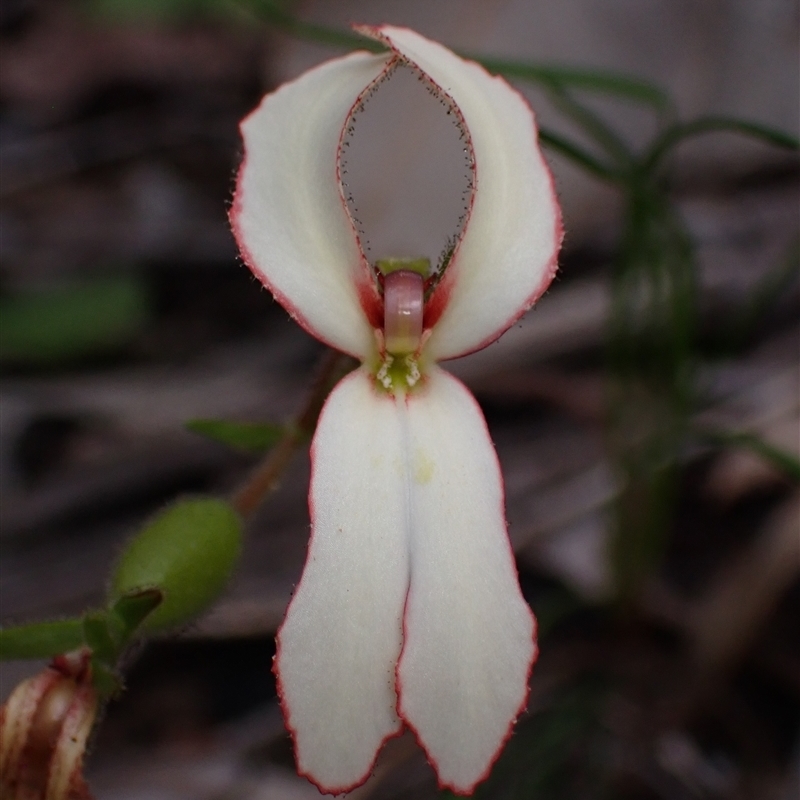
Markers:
point(264, 478)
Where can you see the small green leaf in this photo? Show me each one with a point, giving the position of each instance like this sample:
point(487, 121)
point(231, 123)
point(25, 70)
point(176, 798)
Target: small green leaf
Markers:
point(251, 436)
point(128, 613)
point(590, 80)
point(188, 552)
point(70, 321)
point(41, 639)
point(677, 133)
point(98, 637)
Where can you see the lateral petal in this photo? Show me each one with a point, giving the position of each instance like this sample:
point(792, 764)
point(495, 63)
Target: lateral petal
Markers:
point(469, 634)
point(289, 217)
point(507, 253)
point(339, 644)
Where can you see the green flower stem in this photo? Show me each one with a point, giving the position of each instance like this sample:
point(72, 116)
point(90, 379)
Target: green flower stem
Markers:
point(249, 496)
point(105, 632)
point(41, 639)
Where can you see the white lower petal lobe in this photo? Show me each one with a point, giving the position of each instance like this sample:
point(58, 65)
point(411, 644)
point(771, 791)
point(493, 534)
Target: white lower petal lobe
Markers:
point(339, 645)
point(469, 634)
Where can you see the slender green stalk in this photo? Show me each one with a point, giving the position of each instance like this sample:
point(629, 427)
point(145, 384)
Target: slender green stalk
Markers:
point(41, 639)
point(249, 496)
point(275, 14)
point(650, 358)
point(596, 81)
point(574, 152)
point(678, 133)
point(548, 75)
point(605, 136)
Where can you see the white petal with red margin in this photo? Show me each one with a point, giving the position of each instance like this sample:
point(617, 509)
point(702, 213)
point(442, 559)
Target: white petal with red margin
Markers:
point(339, 644)
point(289, 217)
point(507, 255)
point(469, 634)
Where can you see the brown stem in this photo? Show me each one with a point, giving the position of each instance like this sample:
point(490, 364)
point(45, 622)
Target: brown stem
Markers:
point(264, 478)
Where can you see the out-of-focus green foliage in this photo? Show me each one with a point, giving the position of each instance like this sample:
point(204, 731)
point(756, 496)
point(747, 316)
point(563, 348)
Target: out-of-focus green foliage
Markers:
point(158, 10)
point(254, 437)
point(71, 321)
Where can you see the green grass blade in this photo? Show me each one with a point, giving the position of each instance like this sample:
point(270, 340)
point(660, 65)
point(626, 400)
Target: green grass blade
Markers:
point(574, 152)
point(555, 79)
point(607, 138)
point(275, 14)
point(676, 134)
point(596, 81)
point(41, 639)
point(762, 299)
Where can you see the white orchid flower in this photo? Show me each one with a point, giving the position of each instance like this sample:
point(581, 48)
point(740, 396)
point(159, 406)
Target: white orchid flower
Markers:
point(409, 610)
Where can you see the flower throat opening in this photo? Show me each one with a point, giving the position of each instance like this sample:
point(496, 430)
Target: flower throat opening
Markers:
point(406, 168)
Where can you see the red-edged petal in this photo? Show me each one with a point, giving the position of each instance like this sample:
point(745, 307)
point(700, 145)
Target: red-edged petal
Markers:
point(469, 640)
point(289, 217)
point(339, 644)
point(507, 253)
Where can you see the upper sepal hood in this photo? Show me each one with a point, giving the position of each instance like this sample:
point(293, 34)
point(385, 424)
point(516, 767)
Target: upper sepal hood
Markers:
point(295, 232)
point(506, 256)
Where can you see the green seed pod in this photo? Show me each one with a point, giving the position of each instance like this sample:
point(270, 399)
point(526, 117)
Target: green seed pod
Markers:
point(188, 552)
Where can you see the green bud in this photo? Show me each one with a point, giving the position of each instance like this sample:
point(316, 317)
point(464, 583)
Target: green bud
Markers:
point(128, 613)
point(188, 552)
